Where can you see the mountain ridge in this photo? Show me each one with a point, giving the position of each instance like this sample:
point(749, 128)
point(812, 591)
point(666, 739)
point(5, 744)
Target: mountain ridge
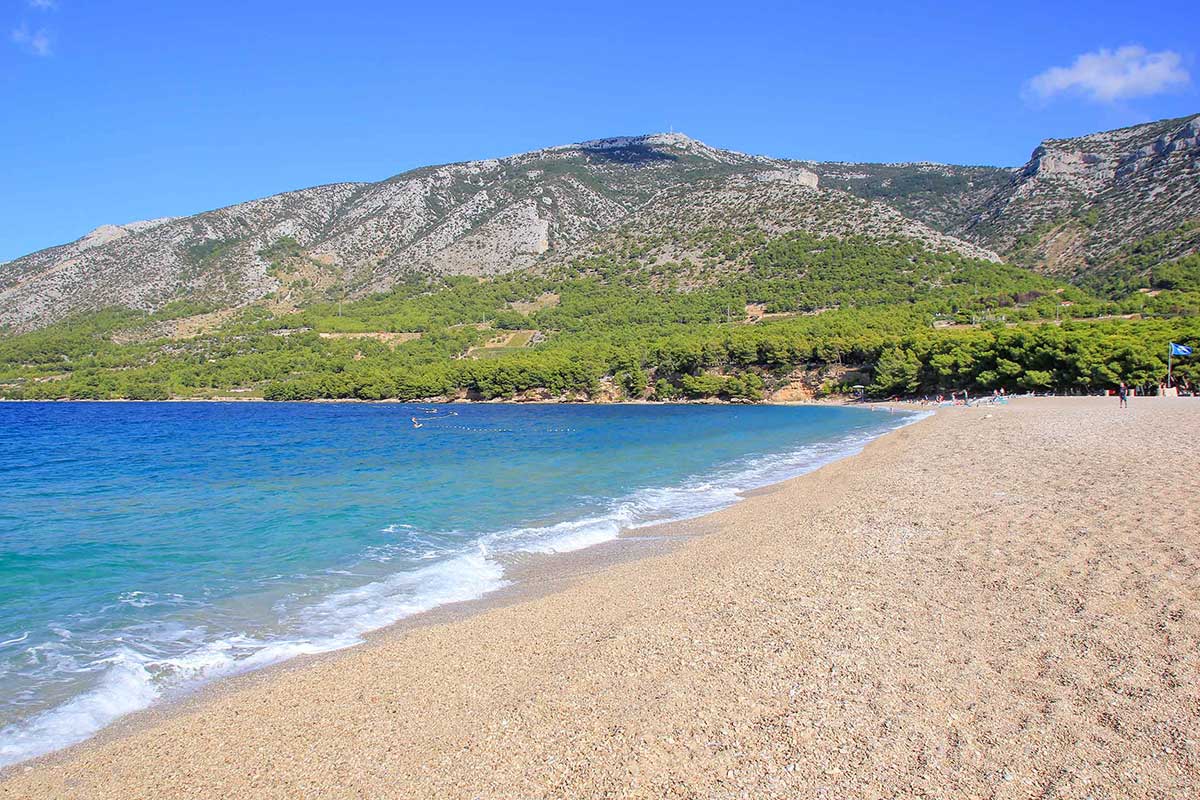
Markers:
point(1070, 207)
point(478, 217)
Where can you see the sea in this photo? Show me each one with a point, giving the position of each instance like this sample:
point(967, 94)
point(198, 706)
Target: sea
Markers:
point(149, 548)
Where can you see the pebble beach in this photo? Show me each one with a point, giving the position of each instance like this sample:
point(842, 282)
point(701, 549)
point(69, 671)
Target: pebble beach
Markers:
point(994, 602)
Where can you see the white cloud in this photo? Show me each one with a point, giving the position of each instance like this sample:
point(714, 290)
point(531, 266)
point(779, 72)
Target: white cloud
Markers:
point(35, 42)
point(1106, 76)
point(43, 4)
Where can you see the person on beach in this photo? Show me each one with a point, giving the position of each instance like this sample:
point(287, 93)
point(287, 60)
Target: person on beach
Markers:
point(1123, 393)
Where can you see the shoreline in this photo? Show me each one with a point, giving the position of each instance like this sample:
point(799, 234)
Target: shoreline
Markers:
point(535, 576)
point(840, 400)
point(466, 401)
point(526, 575)
point(981, 603)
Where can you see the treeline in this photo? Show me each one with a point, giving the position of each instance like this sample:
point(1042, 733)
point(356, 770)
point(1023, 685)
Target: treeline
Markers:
point(1073, 357)
point(623, 325)
point(732, 362)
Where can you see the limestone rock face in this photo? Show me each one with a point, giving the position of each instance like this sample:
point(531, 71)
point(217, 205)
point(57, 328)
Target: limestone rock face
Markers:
point(1076, 201)
point(1070, 210)
point(796, 175)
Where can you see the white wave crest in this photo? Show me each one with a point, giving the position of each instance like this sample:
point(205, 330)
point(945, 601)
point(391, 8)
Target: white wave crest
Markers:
point(132, 681)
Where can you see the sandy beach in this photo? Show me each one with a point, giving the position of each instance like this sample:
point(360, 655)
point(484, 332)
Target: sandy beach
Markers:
point(996, 602)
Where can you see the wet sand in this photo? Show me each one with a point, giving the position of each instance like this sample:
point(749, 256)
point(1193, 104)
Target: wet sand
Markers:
point(995, 602)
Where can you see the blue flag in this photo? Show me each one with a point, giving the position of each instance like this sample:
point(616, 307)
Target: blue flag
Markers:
point(1180, 349)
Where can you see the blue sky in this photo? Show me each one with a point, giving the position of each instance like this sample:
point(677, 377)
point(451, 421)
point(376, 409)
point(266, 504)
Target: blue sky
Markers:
point(121, 110)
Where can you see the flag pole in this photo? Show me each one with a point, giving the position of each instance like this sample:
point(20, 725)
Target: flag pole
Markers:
point(1170, 352)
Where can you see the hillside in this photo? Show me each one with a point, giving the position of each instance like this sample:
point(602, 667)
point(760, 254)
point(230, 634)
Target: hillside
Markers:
point(1078, 209)
point(677, 303)
point(476, 218)
point(651, 267)
point(1076, 202)
point(1100, 210)
point(944, 196)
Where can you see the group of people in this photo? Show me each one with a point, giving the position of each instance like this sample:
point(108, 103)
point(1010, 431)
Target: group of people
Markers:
point(963, 398)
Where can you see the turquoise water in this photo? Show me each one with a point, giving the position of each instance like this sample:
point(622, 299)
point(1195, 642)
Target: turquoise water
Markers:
point(146, 548)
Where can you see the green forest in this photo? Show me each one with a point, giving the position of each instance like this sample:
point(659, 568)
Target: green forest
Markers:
point(751, 314)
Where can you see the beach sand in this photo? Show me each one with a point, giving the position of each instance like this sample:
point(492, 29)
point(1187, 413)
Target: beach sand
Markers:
point(994, 602)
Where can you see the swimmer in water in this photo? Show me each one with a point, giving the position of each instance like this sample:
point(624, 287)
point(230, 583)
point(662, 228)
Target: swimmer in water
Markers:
point(415, 423)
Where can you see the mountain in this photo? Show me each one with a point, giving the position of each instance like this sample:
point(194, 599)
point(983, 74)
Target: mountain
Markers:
point(640, 268)
point(1076, 209)
point(1076, 202)
point(477, 218)
point(1082, 208)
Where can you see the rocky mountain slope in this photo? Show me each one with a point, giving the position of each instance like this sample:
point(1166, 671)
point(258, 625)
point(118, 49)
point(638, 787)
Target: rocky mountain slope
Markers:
point(944, 196)
point(1078, 201)
point(1077, 208)
point(478, 218)
point(702, 222)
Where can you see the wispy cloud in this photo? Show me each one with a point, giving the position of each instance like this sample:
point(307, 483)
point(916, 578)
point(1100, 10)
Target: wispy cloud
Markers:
point(35, 42)
point(45, 5)
point(1107, 76)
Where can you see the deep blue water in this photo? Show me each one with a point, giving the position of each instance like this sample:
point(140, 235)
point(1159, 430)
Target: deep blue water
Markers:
point(145, 548)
